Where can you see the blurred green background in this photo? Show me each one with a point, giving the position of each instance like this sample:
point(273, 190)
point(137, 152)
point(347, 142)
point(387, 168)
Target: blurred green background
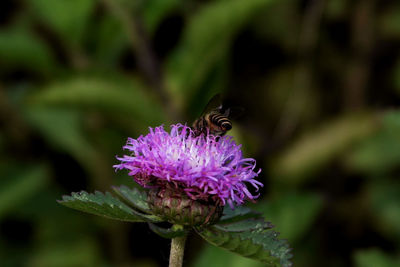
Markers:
point(320, 82)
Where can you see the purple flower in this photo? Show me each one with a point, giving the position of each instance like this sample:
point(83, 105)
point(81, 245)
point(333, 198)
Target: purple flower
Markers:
point(204, 167)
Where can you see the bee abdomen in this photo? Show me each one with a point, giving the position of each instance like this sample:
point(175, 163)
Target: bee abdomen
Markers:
point(221, 121)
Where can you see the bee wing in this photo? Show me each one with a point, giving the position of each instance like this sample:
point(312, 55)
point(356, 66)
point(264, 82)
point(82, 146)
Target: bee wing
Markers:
point(215, 103)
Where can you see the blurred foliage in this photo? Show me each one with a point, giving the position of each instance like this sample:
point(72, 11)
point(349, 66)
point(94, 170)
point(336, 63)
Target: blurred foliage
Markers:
point(221, 257)
point(19, 48)
point(289, 208)
point(314, 150)
point(319, 81)
point(18, 185)
point(374, 257)
point(381, 152)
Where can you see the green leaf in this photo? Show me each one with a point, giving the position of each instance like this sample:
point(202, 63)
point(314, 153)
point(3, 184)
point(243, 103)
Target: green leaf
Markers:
point(381, 152)
point(134, 197)
point(105, 205)
point(58, 15)
point(316, 149)
point(63, 129)
point(206, 40)
point(18, 183)
point(256, 241)
point(84, 252)
point(221, 257)
point(237, 214)
point(111, 41)
point(374, 258)
point(122, 96)
point(20, 48)
point(384, 199)
point(244, 225)
point(155, 10)
point(172, 232)
point(281, 24)
point(336, 9)
point(389, 23)
point(302, 208)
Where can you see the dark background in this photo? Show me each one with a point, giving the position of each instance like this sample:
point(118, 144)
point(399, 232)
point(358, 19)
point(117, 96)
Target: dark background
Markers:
point(319, 80)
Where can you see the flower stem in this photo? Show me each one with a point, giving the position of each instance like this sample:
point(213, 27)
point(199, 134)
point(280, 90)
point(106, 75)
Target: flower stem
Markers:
point(177, 250)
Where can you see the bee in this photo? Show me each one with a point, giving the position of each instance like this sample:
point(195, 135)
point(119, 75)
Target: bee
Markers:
point(215, 118)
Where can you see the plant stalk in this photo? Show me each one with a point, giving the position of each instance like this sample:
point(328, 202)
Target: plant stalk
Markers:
point(177, 251)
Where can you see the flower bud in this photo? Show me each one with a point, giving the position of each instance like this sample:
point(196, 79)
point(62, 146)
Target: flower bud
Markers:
point(177, 208)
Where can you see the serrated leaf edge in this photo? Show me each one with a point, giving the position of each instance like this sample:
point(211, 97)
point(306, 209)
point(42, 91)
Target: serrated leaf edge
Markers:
point(260, 247)
point(75, 197)
point(123, 198)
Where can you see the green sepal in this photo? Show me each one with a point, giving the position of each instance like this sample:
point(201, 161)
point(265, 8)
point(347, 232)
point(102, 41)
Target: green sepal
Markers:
point(107, 206)
point(252, 238)
point(133, 197)
point(174, 231)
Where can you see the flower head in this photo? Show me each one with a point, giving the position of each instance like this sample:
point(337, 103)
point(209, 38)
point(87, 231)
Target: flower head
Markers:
point(204, 167)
